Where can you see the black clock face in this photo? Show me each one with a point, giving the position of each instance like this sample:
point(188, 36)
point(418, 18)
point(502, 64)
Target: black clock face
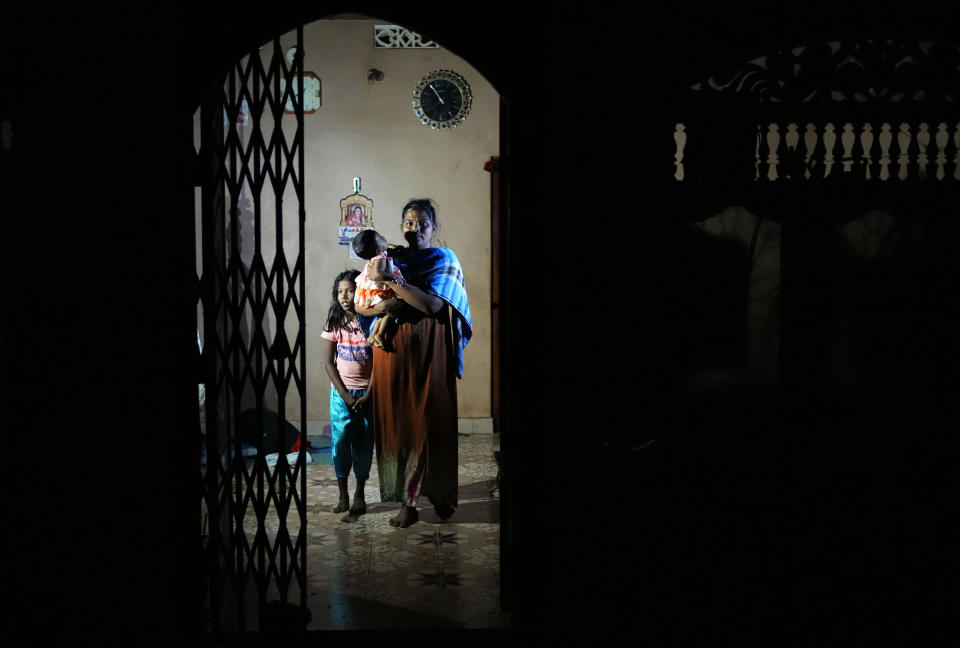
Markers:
point(441, 99)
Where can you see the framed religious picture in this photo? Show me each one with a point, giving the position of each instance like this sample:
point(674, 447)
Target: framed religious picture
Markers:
point(356, 215)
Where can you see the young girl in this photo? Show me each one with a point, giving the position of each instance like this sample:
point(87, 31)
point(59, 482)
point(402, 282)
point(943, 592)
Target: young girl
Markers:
point(348, 360)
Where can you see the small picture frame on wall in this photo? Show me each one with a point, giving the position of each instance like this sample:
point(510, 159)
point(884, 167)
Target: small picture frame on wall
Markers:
point(311, 89)
point(311, 94)
point(356, 215)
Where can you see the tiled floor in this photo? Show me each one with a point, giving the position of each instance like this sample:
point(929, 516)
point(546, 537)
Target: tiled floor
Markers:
point(368, 575)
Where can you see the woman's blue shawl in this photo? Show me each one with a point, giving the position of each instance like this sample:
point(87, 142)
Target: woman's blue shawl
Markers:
point(437, 271)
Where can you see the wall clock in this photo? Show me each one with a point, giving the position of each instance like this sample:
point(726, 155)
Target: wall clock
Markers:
point(442, 100)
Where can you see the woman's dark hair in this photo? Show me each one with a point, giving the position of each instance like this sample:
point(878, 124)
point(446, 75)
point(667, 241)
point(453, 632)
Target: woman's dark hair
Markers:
point(424, 206)
point(365, 244)
point(336, 317)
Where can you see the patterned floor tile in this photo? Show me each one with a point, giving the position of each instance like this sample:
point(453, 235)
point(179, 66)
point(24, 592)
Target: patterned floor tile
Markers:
point(322, 540)
point(440, 578)
point(486, 557)
point(353, 560)
point(385, 559)
point(368, 574)
point(480, 528)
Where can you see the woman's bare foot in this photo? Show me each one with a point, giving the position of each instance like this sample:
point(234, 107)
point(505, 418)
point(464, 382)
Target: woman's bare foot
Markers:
point(344, 502)
point(408, 515)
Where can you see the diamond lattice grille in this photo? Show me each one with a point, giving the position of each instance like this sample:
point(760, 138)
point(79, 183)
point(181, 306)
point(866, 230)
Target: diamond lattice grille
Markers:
point(252, 297)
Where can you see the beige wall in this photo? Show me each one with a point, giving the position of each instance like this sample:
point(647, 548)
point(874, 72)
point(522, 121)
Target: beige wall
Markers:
point(368, 130)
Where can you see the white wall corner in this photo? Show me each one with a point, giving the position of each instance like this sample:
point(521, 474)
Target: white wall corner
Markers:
point(475, 426)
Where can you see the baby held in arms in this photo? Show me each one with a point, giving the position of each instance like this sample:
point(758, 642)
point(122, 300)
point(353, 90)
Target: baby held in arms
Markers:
point(370, 245)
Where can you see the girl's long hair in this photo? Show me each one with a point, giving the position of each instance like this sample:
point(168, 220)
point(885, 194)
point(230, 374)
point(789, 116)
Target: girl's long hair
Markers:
point(336, 316)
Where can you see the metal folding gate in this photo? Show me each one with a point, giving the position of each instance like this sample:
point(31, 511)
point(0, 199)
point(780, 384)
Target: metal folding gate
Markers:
point(253, 329)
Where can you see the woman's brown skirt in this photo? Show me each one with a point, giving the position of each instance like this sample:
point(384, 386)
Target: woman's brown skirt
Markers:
point(414, 406)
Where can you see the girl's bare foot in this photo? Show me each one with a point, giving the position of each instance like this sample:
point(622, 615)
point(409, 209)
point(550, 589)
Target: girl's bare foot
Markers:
point(344, 502)
point(408, 515)
point(359, 503)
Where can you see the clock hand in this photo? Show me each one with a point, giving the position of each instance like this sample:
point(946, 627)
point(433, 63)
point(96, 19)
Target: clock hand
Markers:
point(436, 93)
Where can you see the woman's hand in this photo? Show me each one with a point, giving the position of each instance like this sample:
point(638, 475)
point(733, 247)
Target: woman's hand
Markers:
point(385, 307)
point(417, 298)
point(391, 306)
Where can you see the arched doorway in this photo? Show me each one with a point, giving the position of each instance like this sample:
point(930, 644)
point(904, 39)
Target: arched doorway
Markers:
point(345, 138)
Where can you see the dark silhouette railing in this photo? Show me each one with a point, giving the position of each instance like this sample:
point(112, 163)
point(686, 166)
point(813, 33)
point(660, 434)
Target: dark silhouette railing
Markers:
point(873, 151)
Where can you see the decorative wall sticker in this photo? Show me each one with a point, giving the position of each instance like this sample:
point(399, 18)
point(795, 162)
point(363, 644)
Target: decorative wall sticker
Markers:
point(395, 36)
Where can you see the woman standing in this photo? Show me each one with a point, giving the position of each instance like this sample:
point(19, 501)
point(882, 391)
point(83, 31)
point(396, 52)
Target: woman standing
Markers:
point(414, 401)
